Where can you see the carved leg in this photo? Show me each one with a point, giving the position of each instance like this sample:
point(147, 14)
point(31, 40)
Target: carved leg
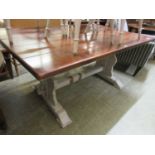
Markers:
point(107, 25)
point(107, 73)
point(88, 26)
point(64, 27)
point(91, 26)
point(77, 23)
point(7, 57)
point(98, 24)
point(140, 28)
point(15, 65)
point(122, 31)
point(47, 27)
point(47, 90)
point(8, 29)
point(112, 31)
point(70, 28)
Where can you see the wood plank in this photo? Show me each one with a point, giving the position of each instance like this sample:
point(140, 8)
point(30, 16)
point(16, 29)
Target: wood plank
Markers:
point(45, 58)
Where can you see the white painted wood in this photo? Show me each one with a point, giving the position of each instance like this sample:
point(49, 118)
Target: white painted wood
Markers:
point(140, 28)
point(112, 31)
point(110, 24)
point(77, 23)
point(68, 79)
point(46, 28)
point(107, 73)
point(8, 29)
point(98, 21)
point(122, 31)
point(64, 26)
point(1, 59)
point(91, 26)
point(107, 24)
point(47, 90)
point(116, 25)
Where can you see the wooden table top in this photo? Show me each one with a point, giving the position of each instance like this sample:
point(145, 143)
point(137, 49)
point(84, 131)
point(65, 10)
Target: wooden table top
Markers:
point(147, 28)
point(44, 58)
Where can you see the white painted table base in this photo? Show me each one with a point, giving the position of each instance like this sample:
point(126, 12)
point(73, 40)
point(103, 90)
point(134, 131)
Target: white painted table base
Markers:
point(47, 91)
point(107, 73)
point(47, 88)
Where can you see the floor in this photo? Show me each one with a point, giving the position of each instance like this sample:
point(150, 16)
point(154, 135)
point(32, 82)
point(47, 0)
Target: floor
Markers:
point(94, 106)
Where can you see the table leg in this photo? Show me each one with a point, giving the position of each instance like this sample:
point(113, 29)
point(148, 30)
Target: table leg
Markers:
point(46, 27)
point(107, 73)
point(112, 26)
point(8, 30)
point(64, 27)
point(15, 65)
point(140, 28)
point(122, 31)
point(7, 57)
point(47, 90)
point(77, 23)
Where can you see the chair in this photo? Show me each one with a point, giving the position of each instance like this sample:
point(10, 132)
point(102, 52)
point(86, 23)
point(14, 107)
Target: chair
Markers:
point(133, 59)
point(6, 70)
point(8, 28)
point(3, 125)
point(73, 26)
point(1, 59)
point(3, 70)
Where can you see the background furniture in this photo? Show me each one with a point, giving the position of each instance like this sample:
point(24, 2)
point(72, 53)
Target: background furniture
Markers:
point(7, 67)
point(133, 59)
point(148, 26)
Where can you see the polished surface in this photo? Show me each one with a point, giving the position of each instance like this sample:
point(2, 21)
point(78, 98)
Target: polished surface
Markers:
point(47, 57)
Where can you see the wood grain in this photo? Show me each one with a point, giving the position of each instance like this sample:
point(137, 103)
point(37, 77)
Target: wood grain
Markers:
point(48, 57)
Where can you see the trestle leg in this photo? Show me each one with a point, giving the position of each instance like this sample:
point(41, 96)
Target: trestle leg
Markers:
point(107, 73)
point(47, 90)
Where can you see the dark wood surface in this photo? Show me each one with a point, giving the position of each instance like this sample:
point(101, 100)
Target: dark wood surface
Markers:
point(3, 125)
point(44, 58)
point(8, 66)
point(7, 57)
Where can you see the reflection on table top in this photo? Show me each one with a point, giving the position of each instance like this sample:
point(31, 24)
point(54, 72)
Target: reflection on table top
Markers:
point(44, 58)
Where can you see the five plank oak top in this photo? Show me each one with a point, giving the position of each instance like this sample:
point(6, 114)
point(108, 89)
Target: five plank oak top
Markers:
point(47, 57)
